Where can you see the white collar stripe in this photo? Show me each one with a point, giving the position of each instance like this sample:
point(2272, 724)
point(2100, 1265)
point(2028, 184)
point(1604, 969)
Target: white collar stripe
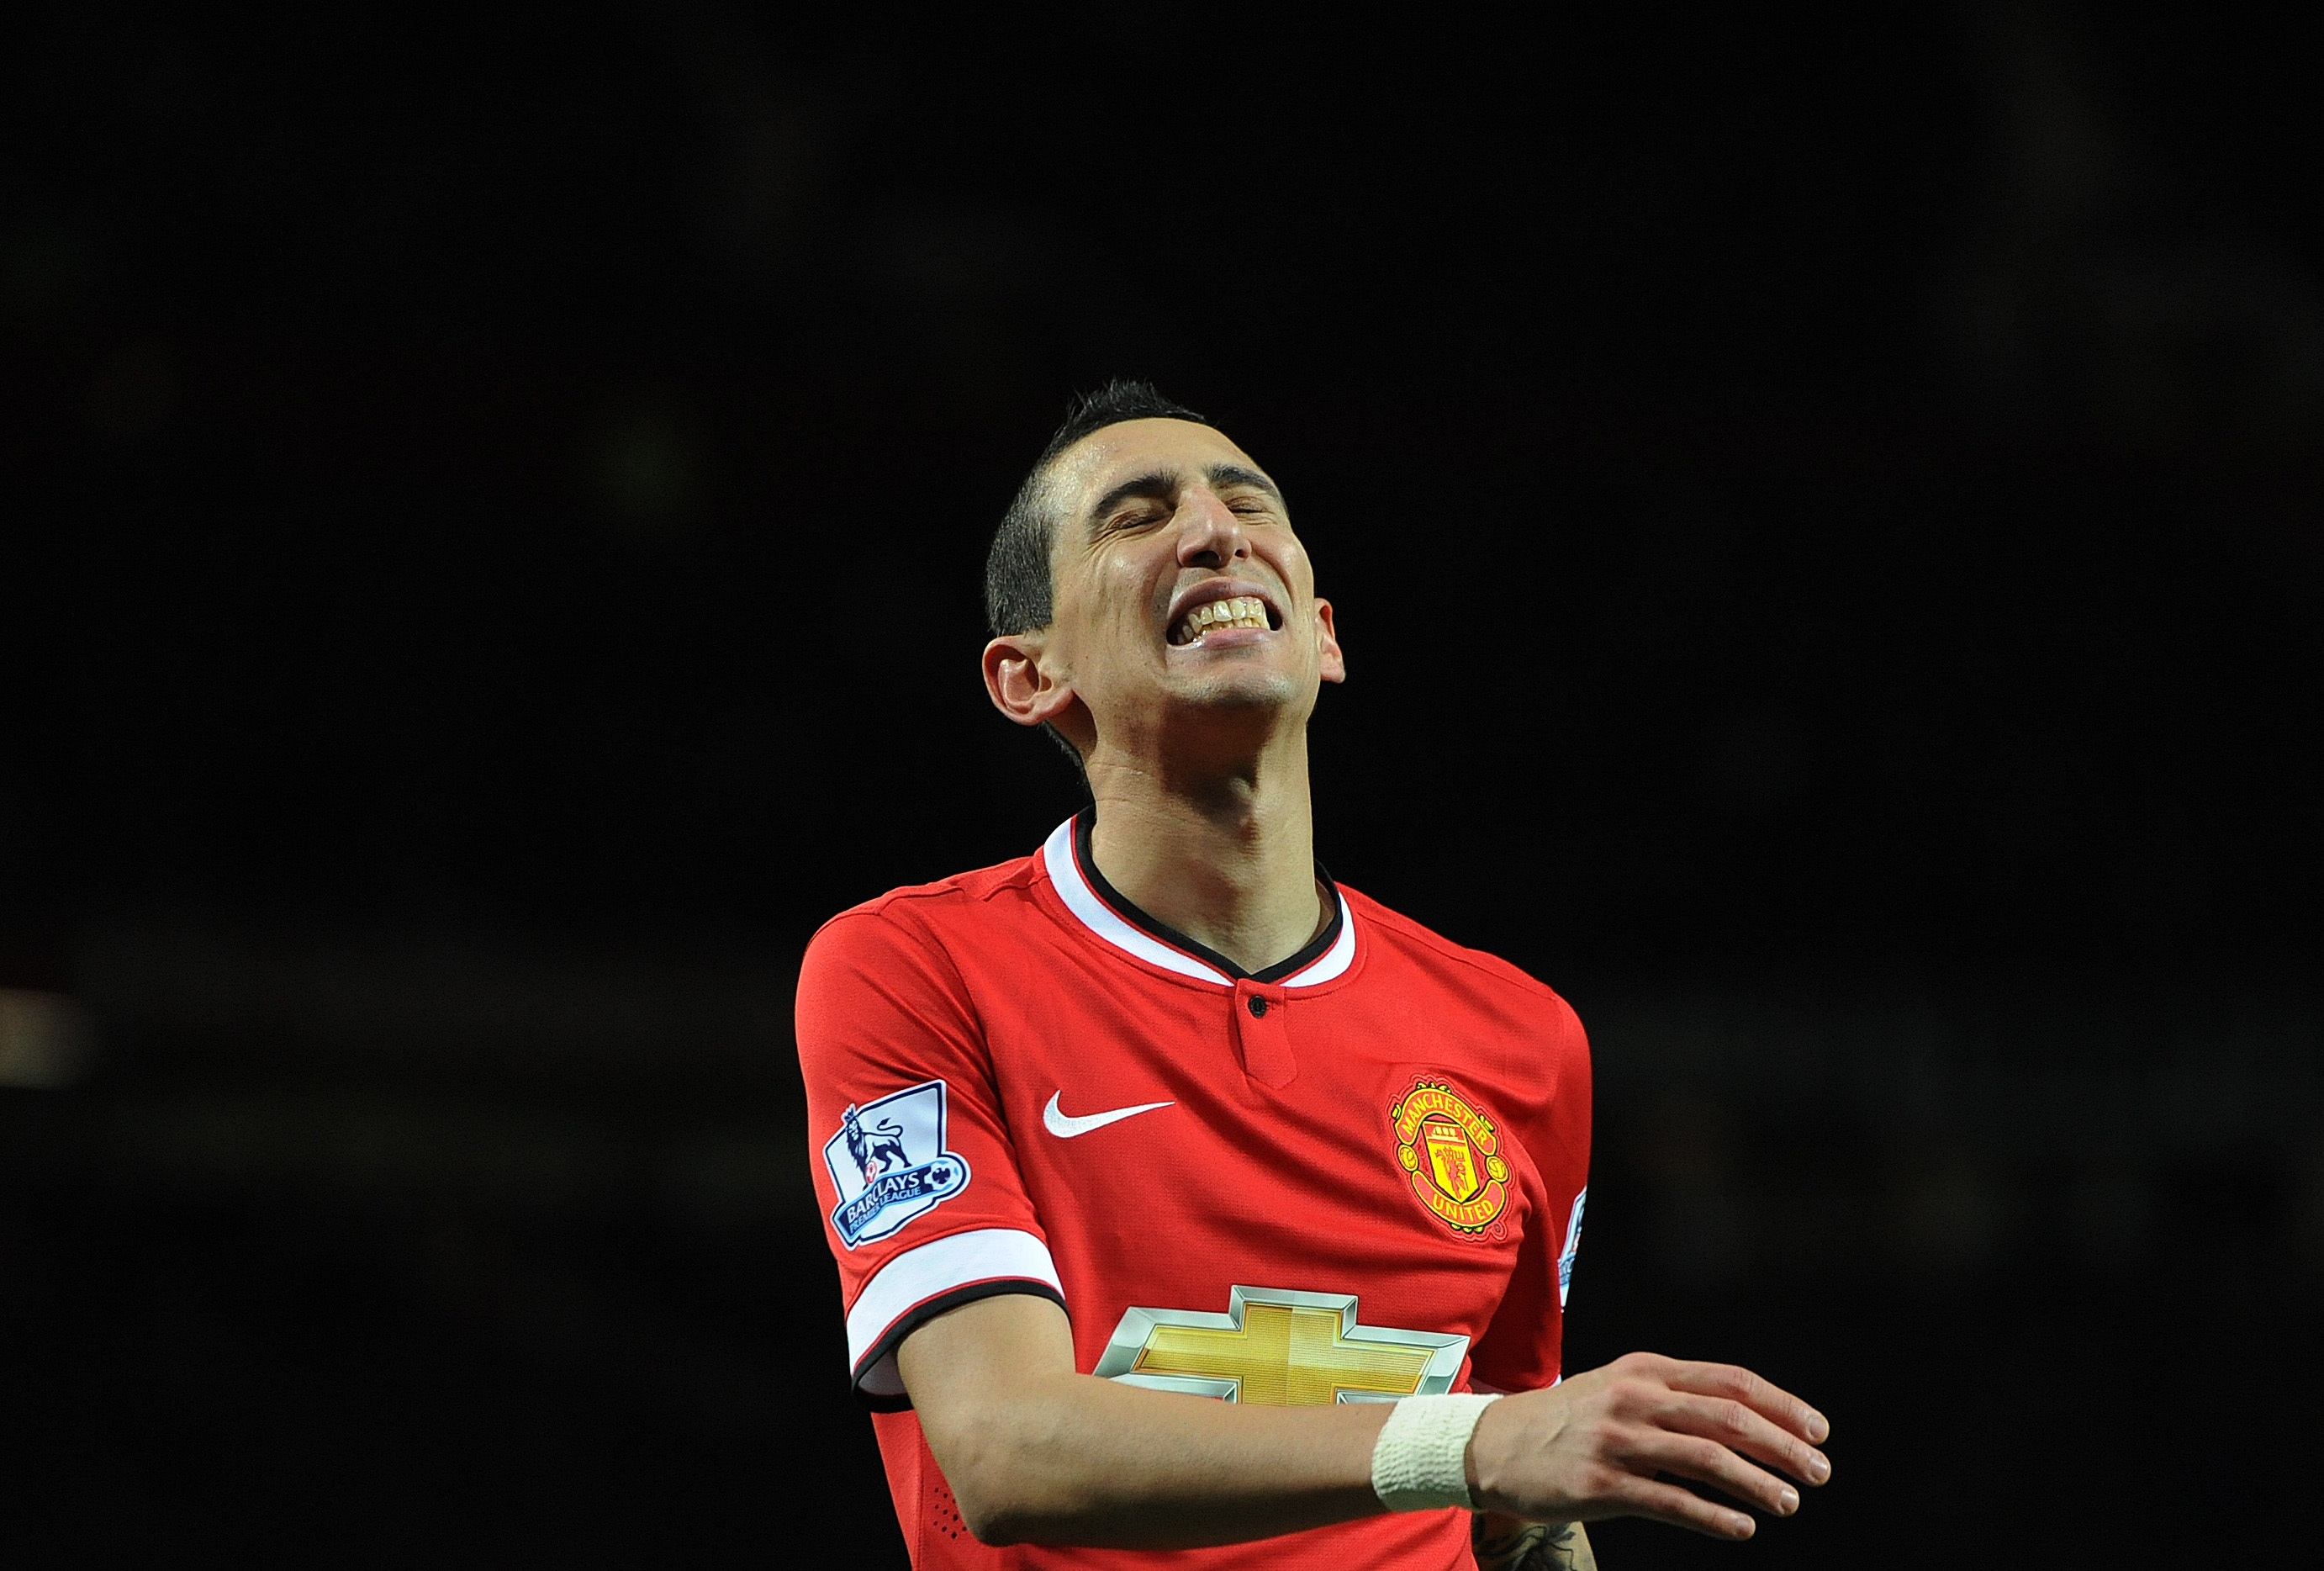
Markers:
point(1065, 874)
point(1098, 916)
point(1335, 960)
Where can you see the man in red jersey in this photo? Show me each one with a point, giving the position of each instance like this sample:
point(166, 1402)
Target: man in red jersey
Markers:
point(1183, 1199)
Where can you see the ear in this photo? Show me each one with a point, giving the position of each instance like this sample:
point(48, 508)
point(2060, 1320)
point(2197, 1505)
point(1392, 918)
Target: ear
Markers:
point(1019, 685)
point(1335, 665)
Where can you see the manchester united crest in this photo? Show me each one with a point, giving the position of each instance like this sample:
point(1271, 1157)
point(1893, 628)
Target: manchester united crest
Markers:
point(1451, 1157)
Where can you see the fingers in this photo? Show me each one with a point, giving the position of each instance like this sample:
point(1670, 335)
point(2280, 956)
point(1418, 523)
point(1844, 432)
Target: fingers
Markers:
point(1737, 1384)
point(1674, 1507)
point(1648, 1452)
point(1732, 1424)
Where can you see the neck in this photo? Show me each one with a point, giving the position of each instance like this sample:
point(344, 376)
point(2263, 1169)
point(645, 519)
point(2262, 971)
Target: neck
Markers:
point(1226, 855)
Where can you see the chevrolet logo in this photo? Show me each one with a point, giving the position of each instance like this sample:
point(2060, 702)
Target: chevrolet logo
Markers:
point(1279, 1348)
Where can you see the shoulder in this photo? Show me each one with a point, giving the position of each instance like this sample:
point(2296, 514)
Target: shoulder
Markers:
point(898, 967)
point(1392, 929)
point(1515, 1030)
point(928, 915)
point(1473, 970)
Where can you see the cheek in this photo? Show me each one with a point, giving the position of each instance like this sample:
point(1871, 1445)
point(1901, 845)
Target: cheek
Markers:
point(1132, 606)
point(1289, 561)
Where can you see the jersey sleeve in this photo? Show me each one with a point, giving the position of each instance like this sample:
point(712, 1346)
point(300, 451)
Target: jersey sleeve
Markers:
point(914, 1169)
point(1522, 1349)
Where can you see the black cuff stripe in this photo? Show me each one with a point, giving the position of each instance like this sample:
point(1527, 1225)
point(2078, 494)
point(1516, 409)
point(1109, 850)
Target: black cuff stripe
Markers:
point(921, 1314)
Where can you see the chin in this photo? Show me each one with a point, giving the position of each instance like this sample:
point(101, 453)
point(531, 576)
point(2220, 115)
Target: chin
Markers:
point(1246, 690)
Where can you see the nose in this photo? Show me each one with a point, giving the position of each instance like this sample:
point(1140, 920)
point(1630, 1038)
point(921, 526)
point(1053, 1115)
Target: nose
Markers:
point(1210, 535)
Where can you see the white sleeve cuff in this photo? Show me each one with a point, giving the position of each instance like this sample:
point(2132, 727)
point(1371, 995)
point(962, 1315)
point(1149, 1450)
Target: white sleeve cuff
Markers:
point(925, 1280)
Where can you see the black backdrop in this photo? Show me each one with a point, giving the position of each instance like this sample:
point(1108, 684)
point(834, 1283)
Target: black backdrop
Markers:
point(1820, 505)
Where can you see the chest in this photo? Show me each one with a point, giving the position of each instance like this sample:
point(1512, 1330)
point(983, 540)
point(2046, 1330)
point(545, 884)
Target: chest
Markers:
point(1186, 1145)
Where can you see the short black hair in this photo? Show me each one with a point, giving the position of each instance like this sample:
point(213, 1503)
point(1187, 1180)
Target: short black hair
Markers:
point(1017, 588)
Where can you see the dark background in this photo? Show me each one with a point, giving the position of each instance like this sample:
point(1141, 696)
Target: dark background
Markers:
point(1821, 504)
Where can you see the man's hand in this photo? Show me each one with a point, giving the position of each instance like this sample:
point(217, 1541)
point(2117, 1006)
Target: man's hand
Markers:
point(1590, 1447)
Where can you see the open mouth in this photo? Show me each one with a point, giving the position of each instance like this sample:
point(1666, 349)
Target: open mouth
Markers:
point(1243, 611)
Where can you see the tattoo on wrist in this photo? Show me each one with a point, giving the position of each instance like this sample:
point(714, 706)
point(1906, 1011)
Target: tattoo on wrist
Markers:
point(1531, 1547)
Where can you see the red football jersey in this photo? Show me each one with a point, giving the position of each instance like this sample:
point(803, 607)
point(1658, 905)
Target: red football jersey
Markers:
point(1353, 1177)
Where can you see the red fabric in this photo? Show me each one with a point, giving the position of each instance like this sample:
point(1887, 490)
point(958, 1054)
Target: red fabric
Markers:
point(1275, 1166)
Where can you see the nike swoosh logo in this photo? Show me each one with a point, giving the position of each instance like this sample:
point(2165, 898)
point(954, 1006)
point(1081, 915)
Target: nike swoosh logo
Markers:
point(1064, 1126)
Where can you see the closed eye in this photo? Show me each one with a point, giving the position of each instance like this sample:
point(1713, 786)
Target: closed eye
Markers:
point(1152, 497)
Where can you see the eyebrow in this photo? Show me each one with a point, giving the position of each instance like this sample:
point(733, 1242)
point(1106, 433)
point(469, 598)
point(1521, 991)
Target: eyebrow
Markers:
point(1161, 482)
point(1222, 476)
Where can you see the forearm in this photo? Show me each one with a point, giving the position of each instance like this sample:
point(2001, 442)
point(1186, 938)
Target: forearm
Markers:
point(1073, 1459)
point(1506, 1544)
point(1038, 1454)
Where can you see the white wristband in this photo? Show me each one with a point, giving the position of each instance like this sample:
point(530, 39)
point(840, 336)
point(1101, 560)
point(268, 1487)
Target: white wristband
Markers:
point(1421, 1461)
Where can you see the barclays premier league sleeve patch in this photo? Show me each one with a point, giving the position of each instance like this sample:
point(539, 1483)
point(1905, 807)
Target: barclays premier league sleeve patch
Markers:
point(1572, 1246)
point(889, 1164)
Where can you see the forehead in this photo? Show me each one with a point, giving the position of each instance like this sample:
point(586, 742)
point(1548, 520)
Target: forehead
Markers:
point(1113, 453)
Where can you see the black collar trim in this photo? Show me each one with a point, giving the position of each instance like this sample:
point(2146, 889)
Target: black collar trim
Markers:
point(1121, 905)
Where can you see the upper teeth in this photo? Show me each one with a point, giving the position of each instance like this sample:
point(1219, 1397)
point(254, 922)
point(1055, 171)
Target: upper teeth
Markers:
point(1238, 611)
